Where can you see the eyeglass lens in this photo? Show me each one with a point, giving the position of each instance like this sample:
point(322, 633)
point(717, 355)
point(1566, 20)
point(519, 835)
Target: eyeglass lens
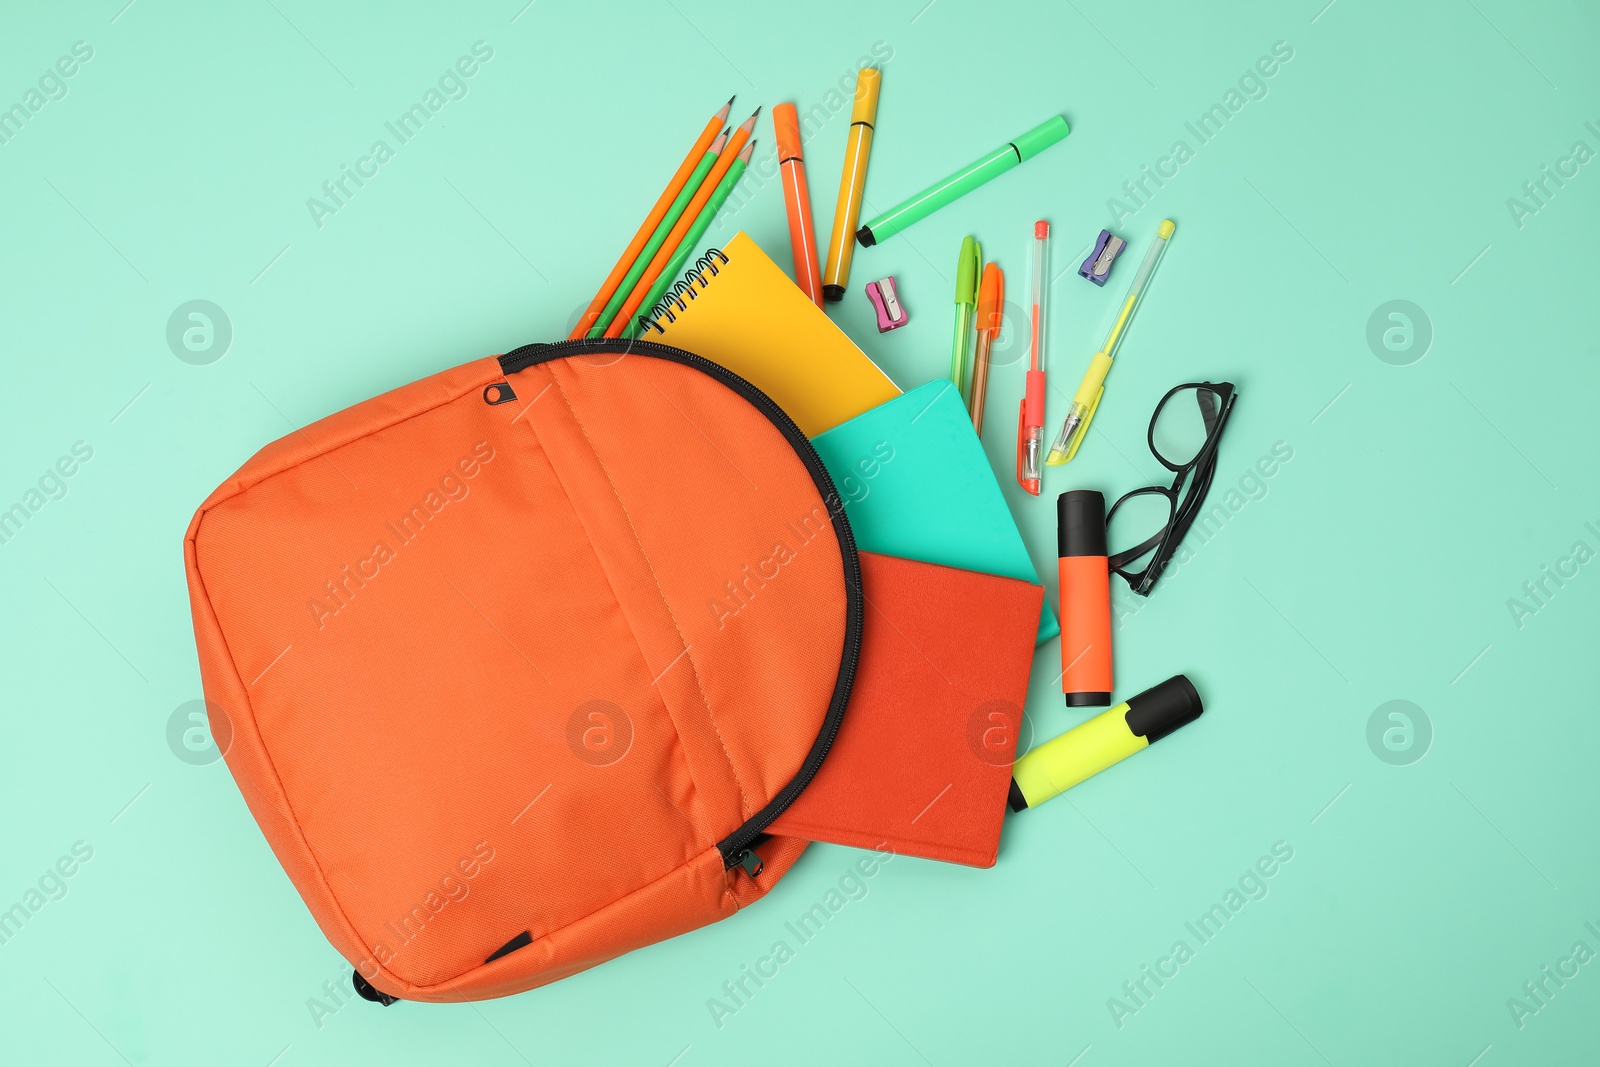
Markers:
point(1183, 423)
point(1135, 527)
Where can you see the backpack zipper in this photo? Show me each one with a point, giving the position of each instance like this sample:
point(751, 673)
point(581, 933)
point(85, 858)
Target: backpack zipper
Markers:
point(736, 847)
point(753, 864)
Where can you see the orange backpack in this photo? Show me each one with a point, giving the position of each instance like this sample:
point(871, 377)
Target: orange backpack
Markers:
point(519, 661)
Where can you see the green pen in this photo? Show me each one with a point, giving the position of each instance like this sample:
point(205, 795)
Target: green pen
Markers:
point(691, 240)
point(963, 181)
point(967, 270)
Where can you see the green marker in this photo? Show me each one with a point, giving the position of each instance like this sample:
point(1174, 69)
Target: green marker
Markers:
point(963, 181)
point(664, 227)
point(967, 270)
point(691, 240)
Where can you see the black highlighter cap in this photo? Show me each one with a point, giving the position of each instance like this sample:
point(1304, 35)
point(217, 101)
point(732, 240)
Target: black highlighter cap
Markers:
point(1156, 712)
point(1081, 523)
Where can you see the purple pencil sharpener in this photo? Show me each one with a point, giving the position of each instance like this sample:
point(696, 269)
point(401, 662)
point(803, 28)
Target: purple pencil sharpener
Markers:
point(1097, 268)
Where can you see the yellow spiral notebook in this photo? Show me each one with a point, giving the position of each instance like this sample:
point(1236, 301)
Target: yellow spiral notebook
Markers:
point(737, 308)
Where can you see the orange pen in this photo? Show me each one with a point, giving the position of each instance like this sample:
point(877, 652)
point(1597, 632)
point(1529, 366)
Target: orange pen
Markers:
point(991, 311)
point(797, 201)
point(1030, 418)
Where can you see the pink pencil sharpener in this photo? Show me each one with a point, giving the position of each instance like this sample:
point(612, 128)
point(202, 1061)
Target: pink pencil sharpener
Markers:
point(891, 315)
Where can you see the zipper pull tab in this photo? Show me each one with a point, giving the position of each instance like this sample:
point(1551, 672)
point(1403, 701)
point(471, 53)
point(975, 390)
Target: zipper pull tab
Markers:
point(753, 864)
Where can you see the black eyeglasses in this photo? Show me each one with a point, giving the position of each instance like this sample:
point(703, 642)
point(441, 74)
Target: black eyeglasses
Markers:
point(1145, 527)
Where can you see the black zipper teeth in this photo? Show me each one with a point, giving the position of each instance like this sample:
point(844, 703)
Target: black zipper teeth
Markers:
point(737, 843)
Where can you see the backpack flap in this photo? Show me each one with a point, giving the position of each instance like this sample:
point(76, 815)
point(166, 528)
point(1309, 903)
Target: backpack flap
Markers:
point(520, 659)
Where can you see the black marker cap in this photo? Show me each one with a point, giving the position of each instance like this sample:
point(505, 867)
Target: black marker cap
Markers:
point(833, 293)
point(1081, 523)
point(864, 235)
point(1156, 712)
point(1015, 797)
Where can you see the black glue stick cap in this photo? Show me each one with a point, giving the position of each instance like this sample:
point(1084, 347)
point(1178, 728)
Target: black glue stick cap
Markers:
point(1081, 523)
point(1156, 712)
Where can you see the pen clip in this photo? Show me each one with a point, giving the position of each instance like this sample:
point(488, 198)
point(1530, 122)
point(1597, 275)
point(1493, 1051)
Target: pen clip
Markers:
point(1083, 427)
point(1022, 438)
point(1028, 485)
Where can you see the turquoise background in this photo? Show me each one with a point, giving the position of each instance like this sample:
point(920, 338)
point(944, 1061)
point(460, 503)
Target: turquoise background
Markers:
point(1374, 565)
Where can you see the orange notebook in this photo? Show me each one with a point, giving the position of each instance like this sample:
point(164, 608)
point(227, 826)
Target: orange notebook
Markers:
point(923, 760)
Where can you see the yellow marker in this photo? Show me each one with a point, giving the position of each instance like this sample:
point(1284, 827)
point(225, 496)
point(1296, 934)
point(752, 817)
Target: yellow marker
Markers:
point(1108, 738)
point(848, 210)
point(1087, 399)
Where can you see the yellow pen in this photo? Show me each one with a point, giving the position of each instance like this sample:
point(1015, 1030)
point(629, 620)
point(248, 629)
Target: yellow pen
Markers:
point(1093, 386)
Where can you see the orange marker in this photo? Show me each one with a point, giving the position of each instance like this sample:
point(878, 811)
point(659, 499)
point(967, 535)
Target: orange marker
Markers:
point(1085, 599)
point(592, 313)
point(797, 200)
point(686, 220)
point(991, 312)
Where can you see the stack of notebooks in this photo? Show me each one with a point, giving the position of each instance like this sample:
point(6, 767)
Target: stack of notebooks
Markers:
point(912, 473)
point(954, 604)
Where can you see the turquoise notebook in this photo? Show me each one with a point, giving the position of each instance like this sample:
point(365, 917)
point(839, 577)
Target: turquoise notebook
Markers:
point(916, 483)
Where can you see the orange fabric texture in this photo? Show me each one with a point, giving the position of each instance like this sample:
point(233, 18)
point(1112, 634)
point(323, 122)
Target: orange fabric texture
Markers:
point(923, 760)
point(495, 668)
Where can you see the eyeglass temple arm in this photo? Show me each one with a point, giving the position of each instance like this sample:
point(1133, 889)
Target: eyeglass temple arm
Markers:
point(1116, 562)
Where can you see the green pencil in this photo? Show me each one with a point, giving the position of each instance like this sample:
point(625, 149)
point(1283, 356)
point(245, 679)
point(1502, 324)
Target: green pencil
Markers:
point(664, 227)
point(691, 240)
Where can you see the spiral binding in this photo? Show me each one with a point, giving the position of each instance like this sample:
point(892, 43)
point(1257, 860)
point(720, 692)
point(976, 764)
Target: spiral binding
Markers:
point(694, 281)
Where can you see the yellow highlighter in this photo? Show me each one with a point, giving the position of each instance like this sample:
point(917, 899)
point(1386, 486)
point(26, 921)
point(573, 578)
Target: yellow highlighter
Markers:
point(1108, 738)
point(1087, 399)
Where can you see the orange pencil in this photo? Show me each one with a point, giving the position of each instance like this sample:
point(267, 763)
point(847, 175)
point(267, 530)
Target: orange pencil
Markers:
point(652, 220)
point(797, 200)
point(685, 221)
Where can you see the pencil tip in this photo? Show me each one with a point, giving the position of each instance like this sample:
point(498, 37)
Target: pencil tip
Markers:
point(749, 150)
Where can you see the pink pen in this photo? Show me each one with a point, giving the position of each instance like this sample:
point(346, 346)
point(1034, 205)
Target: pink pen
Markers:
point(1030, 420)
